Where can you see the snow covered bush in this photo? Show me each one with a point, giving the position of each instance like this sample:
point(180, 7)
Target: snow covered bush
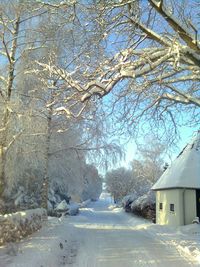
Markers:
point(64, 208)
point(144, 205)
point(128, 200)
point(57, 194)
point(15, 226)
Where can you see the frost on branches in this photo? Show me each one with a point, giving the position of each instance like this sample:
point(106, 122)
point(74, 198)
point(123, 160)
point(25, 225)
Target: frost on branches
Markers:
point(146, 74)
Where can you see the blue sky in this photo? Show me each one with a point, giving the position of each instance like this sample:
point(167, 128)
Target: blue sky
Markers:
point(114, 45)
point(186, 134)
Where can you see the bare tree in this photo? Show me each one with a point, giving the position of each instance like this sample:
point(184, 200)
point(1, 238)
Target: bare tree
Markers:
point(119, 182)
point(148, 165)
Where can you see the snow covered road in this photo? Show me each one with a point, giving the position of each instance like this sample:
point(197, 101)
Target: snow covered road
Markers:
point(100, 236)
point(110, 238)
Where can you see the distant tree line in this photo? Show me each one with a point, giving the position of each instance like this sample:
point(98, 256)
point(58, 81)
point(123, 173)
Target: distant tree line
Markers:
point(143, 172)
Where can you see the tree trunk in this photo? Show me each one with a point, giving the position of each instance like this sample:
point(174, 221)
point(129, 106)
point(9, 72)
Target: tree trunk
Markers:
point(45, 184)
point(5, 120)
point(3, 150)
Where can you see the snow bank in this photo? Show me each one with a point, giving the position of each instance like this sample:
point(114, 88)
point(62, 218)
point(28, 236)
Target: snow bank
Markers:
point(53, 245)
point(17, 225)
point(189, 242)
point(185, 238)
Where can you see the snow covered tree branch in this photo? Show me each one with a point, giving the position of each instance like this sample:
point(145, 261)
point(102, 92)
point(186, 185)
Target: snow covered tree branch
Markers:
point(151, 71)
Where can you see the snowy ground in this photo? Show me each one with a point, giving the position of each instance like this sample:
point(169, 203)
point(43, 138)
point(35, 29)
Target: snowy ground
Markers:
point(104, 236)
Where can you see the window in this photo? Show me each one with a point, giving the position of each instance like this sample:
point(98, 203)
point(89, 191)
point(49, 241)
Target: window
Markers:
point(160, 206)
point(172, 207)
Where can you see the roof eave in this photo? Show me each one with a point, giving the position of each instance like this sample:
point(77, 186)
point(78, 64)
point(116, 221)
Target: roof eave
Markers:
point(178, 187)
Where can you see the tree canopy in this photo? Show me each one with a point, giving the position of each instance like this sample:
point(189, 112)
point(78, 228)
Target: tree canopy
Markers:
point(95, 72)
point(149, 64)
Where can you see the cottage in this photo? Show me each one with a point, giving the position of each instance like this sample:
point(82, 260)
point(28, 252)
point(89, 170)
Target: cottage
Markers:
point(178, 189)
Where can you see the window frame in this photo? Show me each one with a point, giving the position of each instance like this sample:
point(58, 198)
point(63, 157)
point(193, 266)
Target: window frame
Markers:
point(172, 207)
point(160, 206)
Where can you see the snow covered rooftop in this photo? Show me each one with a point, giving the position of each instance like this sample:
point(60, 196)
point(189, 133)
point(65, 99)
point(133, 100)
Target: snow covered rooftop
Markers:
point(185, 169)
